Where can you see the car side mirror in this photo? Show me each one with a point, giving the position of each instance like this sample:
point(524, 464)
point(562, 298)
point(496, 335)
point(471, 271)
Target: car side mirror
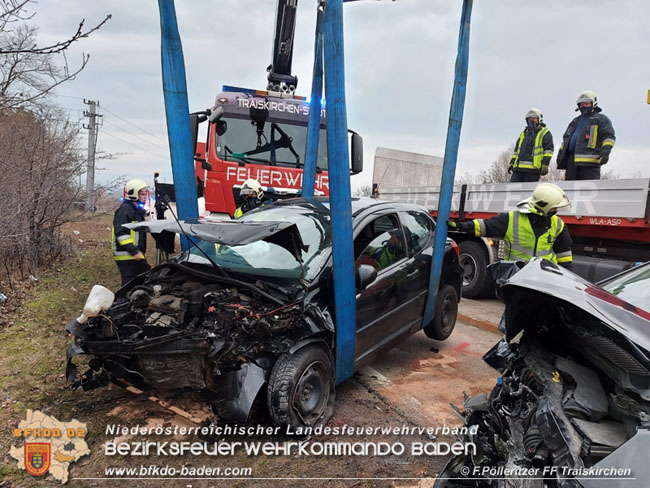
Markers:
point(364, 276)
point(356, 154)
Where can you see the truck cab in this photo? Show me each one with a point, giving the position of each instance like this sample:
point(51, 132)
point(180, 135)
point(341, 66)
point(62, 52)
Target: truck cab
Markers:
point(260, 135)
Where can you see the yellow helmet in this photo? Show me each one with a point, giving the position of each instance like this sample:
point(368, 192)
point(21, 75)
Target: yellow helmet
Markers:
point(252, 187)
point(133, 187)
point(546, 197)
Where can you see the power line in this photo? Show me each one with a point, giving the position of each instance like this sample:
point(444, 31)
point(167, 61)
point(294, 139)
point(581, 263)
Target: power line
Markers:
point(131, 123)
point(136, 146)
point(135, 135)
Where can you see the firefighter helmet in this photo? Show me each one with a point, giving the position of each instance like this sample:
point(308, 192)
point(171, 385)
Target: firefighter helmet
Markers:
point(252, 187)
point(133, 187)
point(587, 96)
point(546, 197)
point(535, 112)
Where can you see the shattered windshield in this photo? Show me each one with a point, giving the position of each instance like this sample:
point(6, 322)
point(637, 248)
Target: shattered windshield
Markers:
point(267, 142)
point(267, 259)
point(632, 287)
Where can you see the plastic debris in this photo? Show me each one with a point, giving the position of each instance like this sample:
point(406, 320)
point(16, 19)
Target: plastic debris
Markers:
point(3, 298)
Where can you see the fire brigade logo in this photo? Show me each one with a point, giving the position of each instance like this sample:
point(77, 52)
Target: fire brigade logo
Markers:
point(37, 458)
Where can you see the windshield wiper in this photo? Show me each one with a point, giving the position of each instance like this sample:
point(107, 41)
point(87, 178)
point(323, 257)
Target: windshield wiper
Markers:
point(284, 142)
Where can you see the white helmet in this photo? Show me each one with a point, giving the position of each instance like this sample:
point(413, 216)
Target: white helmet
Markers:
point(588, 96)
point(252, 187)
point(546, 197)
point(133, 187)
point(535, 112)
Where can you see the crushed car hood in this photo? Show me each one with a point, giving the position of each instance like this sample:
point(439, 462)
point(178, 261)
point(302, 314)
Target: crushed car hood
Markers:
point(231, 232)
point(543, 276)
point(613, 334)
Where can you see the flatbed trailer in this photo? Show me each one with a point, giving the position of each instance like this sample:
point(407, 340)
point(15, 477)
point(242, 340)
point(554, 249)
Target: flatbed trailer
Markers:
point(608, 221)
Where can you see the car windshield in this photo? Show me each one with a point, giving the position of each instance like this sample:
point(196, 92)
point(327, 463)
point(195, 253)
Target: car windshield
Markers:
point(632, 287)
point(278, 143)
point(266, 259)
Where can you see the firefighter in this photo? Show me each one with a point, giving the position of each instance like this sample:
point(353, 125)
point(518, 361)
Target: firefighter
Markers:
point(533, 230)
point(587, 142)
point(129, 247)
point(252, 195)
point(533, 149)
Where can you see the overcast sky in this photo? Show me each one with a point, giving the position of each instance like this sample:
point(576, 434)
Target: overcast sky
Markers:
point(399, 66)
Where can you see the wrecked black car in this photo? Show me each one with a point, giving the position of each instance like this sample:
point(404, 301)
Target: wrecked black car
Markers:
point(572, 405)
point(247, 315)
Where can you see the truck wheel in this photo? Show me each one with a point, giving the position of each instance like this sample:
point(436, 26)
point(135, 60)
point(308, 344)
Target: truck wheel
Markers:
point(301, 388)
point(445, 312)
point(473, 260)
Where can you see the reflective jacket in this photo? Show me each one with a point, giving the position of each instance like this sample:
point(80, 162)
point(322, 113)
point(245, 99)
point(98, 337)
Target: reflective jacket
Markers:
point(526, 235)
point(541, 141)
point(596, 139)
point(127, 243)
point(246, 208)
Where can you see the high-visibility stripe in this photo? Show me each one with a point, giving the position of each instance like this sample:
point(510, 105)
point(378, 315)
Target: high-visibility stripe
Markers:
point(586, 158)
point(122, 240)
point(608, 142)
point(127, 257)
point(593, 136)
point(477, 228)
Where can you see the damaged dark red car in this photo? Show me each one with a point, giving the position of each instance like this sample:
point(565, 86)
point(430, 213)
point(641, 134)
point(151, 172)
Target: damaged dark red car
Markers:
point(247, 315)
point(572, 405)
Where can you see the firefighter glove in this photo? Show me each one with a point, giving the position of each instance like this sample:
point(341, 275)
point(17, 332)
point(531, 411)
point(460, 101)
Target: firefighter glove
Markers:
point(604, 158)
point(544, 170)
point(510, 169)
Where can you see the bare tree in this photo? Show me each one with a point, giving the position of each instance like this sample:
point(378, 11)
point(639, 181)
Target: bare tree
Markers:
point(41, 158)
point(362, 191)
point(498, 170)
point(29, 72)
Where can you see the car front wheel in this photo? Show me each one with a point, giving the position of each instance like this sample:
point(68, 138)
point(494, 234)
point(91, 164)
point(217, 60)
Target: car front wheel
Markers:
point(301, 388)
point(445, 313)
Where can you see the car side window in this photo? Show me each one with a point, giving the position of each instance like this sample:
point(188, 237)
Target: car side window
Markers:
point(379, 243)
point(418, 229)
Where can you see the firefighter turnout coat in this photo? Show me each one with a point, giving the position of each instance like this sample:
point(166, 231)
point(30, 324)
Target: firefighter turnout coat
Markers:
point(533, 149)
point(527, 233)
point(126, 242)
point(595, 140)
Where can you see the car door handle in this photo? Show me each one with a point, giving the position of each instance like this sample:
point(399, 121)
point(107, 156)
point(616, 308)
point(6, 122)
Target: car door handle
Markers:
point(413, 274)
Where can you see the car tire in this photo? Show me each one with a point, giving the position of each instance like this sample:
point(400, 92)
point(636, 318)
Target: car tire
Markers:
point(445, 312)
point(474, 261)
point(301, 389)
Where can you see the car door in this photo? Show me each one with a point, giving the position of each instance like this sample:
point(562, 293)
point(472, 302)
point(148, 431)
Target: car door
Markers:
point(380, 321)
point(418, 231)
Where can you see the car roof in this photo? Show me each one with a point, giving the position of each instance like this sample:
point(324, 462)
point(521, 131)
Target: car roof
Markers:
point(359, 205)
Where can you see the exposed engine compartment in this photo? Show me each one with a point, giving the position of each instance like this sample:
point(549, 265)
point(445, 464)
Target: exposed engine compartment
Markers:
point(571, 392)
point(178, 330)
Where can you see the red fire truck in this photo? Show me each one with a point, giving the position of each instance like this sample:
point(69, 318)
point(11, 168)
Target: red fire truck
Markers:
point(258, 135)
point(262, 134)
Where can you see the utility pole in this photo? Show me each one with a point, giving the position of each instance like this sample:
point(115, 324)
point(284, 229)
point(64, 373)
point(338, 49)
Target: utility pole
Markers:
point(92, 144)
